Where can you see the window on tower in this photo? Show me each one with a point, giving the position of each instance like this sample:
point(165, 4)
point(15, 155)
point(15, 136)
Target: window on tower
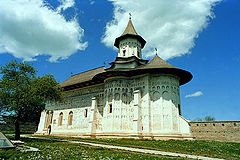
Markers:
point(124, 52)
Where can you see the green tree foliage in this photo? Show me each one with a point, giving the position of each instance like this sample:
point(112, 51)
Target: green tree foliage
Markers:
point(23, 94)
point(209, 118)
point(198, 119)
point(206, 118)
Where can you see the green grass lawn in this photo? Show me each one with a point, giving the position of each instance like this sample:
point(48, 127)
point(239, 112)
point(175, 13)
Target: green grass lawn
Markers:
point(63, 150)
point(226, 150)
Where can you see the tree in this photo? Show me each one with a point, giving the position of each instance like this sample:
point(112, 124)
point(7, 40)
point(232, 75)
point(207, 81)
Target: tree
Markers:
point(23, 94)
point(198, 119)
point(206, 118)
point(209, 118)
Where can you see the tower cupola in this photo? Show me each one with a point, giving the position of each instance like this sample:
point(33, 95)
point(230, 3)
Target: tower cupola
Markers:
point(129, 43)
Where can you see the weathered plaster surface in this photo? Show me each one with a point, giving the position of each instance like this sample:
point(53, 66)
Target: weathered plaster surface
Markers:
point(143, 106)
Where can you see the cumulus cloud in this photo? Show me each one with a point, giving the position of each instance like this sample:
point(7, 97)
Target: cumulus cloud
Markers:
point(169, 25)
point(29, 28)
point(196, 94)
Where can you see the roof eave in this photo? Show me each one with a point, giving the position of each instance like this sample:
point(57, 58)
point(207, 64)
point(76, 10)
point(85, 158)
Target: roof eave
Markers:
point(117, 40)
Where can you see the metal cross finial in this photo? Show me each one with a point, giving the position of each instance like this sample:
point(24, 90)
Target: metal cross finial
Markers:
point(156, 50)
point(130, 15)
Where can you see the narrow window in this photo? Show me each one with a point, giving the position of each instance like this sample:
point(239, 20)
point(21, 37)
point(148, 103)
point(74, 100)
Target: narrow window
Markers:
point(179, 109)
point(124, 52)
point(85, 113)
point(110, 108)
point(70, 118)
point(138, 54)
point(60, 119)
point(235, 124)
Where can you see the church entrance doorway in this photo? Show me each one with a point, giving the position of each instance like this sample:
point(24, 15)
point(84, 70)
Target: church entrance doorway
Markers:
point(49, 130)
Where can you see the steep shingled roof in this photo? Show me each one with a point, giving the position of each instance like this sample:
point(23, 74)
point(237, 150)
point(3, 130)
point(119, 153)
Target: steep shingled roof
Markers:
point(82, 77)
point(156, 65)
point(157, 62)
point(130, 29)
point(129, 32)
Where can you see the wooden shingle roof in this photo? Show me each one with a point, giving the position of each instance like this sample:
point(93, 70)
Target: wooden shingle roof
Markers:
point(82, 77)
point(129, 32)
point(157, 62)
point(156, 65)
point(130, 29)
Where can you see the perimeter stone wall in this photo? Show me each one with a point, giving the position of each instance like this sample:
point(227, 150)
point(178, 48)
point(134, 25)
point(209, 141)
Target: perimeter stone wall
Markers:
point(25, 127)
point(216, 130)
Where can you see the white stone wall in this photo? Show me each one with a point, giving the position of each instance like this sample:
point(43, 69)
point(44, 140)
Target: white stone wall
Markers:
point(41, 123)
point(80, 123)
point(131, 47)
point(145, 105)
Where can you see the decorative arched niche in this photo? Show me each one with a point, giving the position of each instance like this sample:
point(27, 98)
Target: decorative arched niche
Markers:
point(166, 95)
point(156, 96)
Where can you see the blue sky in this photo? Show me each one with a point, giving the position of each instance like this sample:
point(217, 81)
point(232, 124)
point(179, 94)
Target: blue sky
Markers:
point(67, 36)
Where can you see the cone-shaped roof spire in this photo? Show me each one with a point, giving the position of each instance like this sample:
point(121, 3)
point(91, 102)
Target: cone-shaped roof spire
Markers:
point(158, 62)
point(130, 29)
point(129, 32)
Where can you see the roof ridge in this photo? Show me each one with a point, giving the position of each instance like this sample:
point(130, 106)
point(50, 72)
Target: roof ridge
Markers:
point(88, 71)
point(158, 62)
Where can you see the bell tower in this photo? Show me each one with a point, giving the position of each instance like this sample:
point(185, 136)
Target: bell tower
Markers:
point(129, 43)
point(129, 46)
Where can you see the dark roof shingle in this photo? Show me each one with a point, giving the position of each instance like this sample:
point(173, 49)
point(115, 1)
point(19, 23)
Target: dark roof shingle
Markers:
point(82, 77)
point(130, 29)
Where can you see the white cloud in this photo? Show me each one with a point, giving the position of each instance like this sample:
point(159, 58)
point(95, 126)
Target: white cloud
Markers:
point(169, 25)
point(92, 2)
point(29, 28)
point(196, 94)
point(65, 4)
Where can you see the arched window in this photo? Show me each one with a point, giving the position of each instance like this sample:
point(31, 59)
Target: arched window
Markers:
point(60, 119)
point(110, 108)
point(124, 52)
point(70, 118)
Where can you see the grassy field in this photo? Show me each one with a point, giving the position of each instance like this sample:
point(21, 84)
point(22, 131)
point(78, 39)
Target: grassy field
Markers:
point(226, 150)
point(61, 150)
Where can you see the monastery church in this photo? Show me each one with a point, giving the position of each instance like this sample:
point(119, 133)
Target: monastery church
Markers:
point(133, 98)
